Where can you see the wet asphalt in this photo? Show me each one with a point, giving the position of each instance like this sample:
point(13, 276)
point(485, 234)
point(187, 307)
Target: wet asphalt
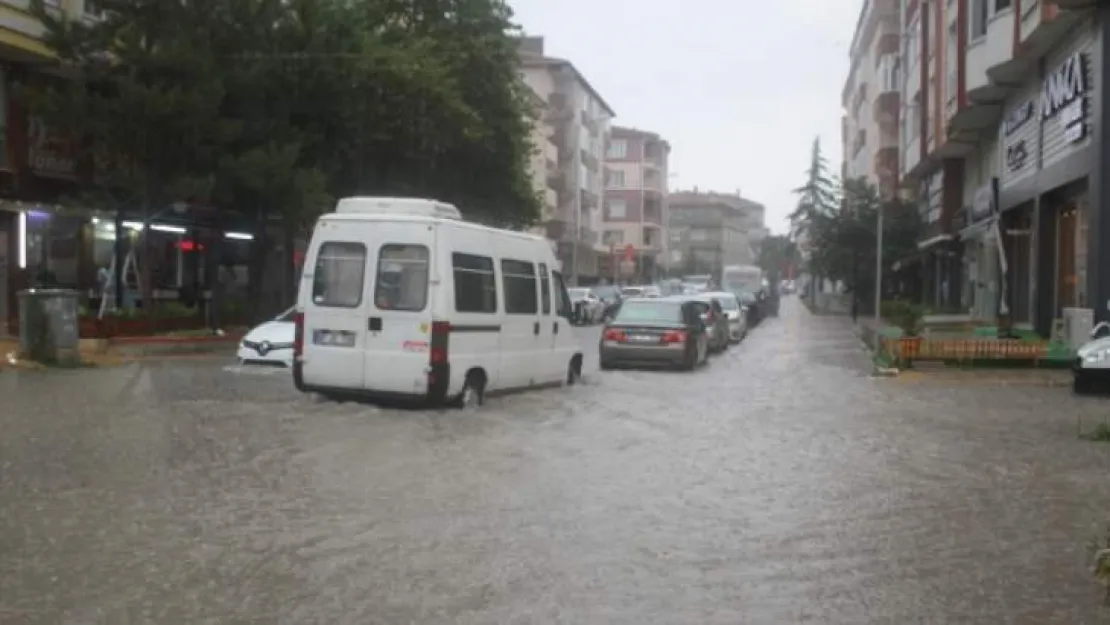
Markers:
point(781, 484)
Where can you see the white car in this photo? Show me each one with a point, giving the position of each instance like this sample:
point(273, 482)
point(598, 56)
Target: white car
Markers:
point(1092, 360)
point(593, 308)
point(270, 343)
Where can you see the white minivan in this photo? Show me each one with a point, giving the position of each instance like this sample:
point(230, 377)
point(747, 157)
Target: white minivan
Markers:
point(402, 298)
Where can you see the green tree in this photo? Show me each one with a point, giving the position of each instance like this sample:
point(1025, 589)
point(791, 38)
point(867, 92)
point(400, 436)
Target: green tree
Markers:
point(265, 108)
point(817, 197)
point(778, 254)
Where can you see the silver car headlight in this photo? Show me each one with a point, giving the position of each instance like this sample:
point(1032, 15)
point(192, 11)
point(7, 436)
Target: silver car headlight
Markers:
point(1098, 356)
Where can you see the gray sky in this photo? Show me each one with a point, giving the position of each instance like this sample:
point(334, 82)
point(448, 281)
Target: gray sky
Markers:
point(738, 87)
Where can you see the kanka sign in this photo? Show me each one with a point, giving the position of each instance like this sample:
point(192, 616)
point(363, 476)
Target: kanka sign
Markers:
point(1064, 94)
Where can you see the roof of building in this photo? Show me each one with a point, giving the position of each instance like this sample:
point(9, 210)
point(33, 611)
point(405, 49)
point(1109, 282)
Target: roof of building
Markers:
point(531, 56)
point(628, 131)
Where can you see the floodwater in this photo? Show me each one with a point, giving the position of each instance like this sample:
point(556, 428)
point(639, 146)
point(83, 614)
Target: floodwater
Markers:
point(782, 484)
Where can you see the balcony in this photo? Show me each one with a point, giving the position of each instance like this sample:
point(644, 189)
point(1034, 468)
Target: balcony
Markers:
point(991, 50)
point(885, 110)
point(551, 155)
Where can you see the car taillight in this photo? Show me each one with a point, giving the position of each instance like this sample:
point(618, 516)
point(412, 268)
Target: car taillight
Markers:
point(441, 330)
point(298, 334)
point(674, 336)
point(612, 334)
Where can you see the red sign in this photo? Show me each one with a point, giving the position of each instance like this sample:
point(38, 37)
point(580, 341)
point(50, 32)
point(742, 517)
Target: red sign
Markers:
point(629, 252)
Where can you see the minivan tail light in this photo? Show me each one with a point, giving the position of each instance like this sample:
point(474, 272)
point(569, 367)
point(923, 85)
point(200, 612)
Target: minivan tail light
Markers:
point(441, 330)
point(612, 334)
point(674, 336)
point(298, 334)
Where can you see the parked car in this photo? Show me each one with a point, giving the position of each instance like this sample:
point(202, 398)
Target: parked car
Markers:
point(735, 313)
point(588, 307)
point(270, 343)
point(655, 331)
point(611, 297)
point(497, 317)
point(713, 316)
point(1091, 367)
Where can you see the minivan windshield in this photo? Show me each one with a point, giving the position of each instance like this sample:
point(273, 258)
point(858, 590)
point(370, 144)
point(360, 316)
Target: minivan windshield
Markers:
point(650, 312)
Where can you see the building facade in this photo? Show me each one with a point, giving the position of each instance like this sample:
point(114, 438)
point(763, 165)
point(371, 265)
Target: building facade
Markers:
point(1011, 143)
point(635, 212)
point(871, 98)
point(580, 121)
point(711, 230)
point(544, 164)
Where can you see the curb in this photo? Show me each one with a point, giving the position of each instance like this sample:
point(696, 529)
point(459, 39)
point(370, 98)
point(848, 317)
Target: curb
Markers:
point(886, 372)
point(154, 346)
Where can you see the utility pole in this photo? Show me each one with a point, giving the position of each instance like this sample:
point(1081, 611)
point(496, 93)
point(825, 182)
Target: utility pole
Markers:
point(879, 263)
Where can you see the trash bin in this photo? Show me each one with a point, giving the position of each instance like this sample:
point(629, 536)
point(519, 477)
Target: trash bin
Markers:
point(48, 326)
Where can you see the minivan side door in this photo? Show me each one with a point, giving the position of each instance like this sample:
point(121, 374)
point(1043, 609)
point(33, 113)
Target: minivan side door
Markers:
point(520, 332)
point(549, 331)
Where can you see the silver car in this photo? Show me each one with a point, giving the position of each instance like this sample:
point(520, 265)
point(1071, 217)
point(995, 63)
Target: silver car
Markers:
point(736, 312)
point(655, 331)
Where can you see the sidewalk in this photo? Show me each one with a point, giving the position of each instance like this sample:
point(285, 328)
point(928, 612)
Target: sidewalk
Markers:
point(123, 350)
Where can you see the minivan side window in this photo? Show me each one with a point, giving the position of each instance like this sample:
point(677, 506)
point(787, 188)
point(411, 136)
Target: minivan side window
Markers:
point(518, 279)
point(563, 307)
point(337, 281)
point(402, 282)
point(545, 289)
point(475, 284)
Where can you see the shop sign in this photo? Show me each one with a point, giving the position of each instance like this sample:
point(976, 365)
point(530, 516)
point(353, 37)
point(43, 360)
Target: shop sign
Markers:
point(1017, 154)
point(1017, 118)
point(49, 154)
point(1064, 96)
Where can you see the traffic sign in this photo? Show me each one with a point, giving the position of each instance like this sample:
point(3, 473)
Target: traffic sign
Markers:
point(629, 252)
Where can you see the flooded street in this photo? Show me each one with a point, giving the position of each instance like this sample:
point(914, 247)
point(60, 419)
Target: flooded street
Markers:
point(781, 484)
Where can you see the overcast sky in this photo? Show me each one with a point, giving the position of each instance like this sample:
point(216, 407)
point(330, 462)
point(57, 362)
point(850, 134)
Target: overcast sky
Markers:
point(739, 87)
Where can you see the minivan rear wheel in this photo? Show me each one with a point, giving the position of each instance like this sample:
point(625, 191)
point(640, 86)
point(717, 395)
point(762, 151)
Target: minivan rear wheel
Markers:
point(473, 394)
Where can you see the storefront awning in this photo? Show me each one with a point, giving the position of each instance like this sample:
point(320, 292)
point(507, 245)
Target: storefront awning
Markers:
point(930, 242)
point(977, 229)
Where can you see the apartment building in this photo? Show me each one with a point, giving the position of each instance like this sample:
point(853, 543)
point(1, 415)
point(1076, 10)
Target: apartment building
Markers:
point(580, 120)
point(709, 230)
point(1002, 146)
point(871, 98)
point(544, 164)
point(36, 164)
point(635, 211)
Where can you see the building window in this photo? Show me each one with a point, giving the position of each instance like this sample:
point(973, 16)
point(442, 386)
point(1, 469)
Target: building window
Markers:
point(618, 148)
point(952, 86)
point(618, 208)
point(613, 237)
point(616, 179)
point(518, 280)
point(475, 285)
point(978, 21)
point(1002, 5)
point(697, 234)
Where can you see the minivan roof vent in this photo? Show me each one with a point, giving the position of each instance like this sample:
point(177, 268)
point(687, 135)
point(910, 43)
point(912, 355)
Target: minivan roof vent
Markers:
point(396, 206)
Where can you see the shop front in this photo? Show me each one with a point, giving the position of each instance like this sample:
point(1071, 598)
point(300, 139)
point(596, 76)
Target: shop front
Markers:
point(1049, 153)
point(984, 287)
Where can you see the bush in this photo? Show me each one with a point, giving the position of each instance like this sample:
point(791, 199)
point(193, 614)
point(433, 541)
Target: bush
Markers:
point(905, 315)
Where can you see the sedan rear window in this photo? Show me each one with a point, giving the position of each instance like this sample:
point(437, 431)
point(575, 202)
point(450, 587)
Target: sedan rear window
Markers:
point(728, 303)
point(649, 312)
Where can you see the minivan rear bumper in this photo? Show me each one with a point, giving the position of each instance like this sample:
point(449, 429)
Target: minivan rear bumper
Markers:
point(438, 385)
